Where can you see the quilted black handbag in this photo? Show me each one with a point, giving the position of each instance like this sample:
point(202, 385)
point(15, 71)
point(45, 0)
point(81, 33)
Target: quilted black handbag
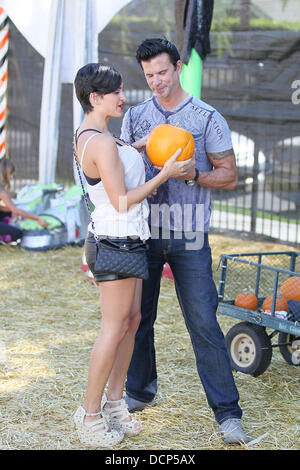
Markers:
point(125, 257)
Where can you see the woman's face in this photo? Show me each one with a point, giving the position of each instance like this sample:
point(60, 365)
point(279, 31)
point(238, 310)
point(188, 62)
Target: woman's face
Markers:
point(113, 103)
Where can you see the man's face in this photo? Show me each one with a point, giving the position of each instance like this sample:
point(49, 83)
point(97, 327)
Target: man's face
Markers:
point(161, 75)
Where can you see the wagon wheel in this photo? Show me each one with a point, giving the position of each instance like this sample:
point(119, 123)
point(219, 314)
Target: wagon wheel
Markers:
point(289, 346)
point(249, 348)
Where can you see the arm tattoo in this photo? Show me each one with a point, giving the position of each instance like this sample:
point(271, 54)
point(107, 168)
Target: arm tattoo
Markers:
point(221, 155)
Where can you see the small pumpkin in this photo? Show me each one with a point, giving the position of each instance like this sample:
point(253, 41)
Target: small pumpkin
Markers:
point(280, 304)
point(247, 300)
point(165, 139)
point(290, 289)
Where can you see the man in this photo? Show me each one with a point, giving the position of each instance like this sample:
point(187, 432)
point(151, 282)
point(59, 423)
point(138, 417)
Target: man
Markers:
point(214, 166)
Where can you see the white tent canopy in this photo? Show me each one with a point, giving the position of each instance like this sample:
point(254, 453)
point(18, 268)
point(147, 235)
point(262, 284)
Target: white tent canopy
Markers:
point(65, 33)
point(33, 20)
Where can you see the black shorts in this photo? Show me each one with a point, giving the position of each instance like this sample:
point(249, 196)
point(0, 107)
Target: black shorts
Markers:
point(91, 254)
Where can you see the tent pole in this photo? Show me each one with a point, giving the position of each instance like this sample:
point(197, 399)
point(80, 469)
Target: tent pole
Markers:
point(83, 55)
point(49, 121)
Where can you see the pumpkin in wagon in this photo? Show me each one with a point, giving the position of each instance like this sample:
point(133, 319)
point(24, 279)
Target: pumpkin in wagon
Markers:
point(246, 300)
point(290, 289)
point(280, 304)
point(165, 139)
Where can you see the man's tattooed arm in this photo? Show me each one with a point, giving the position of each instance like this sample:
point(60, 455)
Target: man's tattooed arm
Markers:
point(224, 172)
point(220, 155)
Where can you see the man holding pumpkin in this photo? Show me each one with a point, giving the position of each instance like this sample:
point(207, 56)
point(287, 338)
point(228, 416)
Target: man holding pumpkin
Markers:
point(214, 166)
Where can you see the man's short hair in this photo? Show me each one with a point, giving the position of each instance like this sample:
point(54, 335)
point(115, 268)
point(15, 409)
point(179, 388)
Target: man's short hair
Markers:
point(150, 48)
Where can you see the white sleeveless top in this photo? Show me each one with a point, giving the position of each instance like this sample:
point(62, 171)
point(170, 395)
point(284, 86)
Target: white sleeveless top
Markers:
point(107, 220)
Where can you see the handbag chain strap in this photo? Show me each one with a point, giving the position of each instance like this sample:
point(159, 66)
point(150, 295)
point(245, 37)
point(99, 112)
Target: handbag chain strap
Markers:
point(143, 234)
point(88, 206)
point(84, 193)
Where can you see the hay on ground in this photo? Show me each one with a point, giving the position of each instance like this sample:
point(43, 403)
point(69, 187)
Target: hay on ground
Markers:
point(50, 317)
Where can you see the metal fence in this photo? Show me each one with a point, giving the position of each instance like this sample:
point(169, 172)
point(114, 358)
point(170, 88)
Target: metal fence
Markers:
point(266, 200)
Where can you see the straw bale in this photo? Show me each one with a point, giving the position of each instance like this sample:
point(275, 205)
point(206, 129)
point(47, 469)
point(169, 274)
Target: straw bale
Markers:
point(50, 318)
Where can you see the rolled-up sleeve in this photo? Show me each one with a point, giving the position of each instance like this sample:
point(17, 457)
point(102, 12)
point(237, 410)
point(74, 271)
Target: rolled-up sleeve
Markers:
point(218, 136)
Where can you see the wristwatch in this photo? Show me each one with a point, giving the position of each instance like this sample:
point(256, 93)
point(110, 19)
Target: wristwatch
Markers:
point(193, 181)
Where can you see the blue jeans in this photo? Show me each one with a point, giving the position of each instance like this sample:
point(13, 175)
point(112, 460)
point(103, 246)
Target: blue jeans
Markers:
point(198, 299)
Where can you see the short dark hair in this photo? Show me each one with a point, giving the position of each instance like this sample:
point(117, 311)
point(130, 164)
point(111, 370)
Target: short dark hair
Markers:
point(150, 48)
point(95, 78)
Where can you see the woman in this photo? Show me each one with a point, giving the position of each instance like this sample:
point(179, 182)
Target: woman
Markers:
point(8, 208)
point(116, 185)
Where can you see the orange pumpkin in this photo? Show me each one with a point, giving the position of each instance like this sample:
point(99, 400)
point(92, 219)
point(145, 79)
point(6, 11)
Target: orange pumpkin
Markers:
point(246, 300)
point(290, 289)
point(280, 304)
point(165, 139)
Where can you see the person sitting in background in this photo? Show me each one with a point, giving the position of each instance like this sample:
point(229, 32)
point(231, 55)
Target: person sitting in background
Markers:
point(8, 209)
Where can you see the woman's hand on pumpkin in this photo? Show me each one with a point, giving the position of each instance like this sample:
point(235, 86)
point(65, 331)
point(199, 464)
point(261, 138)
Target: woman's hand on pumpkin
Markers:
point(188, 170)
point(174, 169)
point(140, 144)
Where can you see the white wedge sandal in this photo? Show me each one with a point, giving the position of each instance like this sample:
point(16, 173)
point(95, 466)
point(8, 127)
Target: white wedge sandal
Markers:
point(117, 412)
point(95, 433)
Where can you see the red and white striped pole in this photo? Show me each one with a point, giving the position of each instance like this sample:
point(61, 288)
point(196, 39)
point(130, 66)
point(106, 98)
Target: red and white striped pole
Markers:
point(4, 34)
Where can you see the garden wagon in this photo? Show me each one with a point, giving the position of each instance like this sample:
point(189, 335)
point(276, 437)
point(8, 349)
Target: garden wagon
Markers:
point(249, 342)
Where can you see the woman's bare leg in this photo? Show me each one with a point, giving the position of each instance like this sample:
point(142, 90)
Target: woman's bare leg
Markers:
point(116, 303)
point(123, 357)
